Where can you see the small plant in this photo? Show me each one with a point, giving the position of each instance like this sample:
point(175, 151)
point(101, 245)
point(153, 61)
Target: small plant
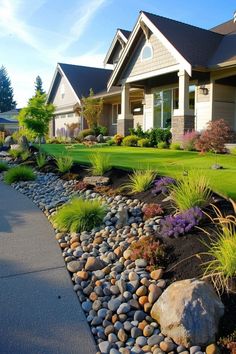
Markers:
point(152, 210)
point(130, 140)
point(3, 166)
point(41, 160)
point(140, 181)
point(25, 154)
point(162, 145)
point(221, 269)
point(228, 342)
point(145, 142)
point(64, 163)
point(175, 146)
point(15, 153)
point(118, 139)
point(189, 140)
point(80, 186)
point(215, 137)
point(19, 173)
point(190, 191)
point(162, 185)
point(79, 215)
point(149, 249)
point(100, 164)
point(180, 224)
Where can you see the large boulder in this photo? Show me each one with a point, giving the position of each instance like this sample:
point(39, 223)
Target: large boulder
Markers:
point(8, 140)
point(189, 312)
point(90, 138)
point(100, 138)
point(96, 180)
point(23, 142)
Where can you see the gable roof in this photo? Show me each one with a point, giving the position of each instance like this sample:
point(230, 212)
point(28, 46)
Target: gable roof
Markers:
point(7, 121)
point(225, 28)
point(126, 33)
point(195, 44)
point(80, 78)
point(121, 35)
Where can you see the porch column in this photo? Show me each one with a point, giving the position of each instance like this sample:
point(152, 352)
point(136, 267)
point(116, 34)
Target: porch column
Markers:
point(125, 119)
point(183, 117)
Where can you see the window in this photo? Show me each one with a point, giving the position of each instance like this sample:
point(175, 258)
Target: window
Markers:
point(116, 109)
point(70, 115)
point(147, 52)
point(136, 108)
point(191, 96)
point(62, 91)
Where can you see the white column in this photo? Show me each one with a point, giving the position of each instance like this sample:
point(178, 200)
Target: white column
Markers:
point(125, 106)
point(183, 93)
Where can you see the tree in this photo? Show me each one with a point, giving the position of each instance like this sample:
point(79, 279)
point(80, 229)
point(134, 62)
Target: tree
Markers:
point(39, 85)
point(6, 92)
point(91, 109)
point(37, 115)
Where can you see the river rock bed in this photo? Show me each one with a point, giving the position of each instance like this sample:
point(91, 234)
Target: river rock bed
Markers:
point(116, 293)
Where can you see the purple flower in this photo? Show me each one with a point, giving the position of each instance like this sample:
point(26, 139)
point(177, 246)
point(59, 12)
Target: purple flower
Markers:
point(161, 185)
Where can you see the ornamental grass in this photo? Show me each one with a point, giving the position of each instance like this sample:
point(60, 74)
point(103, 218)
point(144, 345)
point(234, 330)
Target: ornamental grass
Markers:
point(19, 173)
point(140, 181)
point(100, 164)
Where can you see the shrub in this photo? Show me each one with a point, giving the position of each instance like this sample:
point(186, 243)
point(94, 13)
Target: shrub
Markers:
point(156, 135)
point(64, 163)
point(99, 129)
point(41, 160)
point(149, 249)
point(111, 142)
point(175, 146)
point(15, 153)
point(25, 154)
point(79, 215)
point(189, 140)
point(100, 164)
point(140, 181)
point(130, 140)
point(3, 166)
point(152, 210)
point(180, 224)
point(190, 191)
point(162, 185)
point(138, 131)
point(19, 173)
point(145, 142)
point(162, 145)
point(118, 139)
point(214, 137)
point(23, 132)
point(222, 250)
point(83, 133)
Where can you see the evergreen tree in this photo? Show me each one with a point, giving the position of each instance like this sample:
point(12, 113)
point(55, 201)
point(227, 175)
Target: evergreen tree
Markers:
point(39, 85)
point(6, 92)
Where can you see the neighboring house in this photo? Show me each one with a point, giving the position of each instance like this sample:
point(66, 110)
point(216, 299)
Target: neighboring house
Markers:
point(170, 74)
point(8, 121)
point(70, 83)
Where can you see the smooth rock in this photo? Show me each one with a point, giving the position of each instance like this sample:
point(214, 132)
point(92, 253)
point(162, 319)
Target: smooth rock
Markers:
point(75, 266)
point(104, 347)
point(93, 264)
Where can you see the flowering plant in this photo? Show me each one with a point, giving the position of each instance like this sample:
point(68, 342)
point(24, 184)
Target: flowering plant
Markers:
point(161, 185)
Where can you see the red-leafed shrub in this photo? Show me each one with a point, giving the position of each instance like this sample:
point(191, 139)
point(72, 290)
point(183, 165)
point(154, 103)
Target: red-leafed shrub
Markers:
point(215, 137)
point(152, 210)
point(149, 249)
point(189, 140)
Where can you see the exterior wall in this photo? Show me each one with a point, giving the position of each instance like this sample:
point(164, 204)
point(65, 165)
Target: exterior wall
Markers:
point(138, 119)
point(106, 119)
point(203, 107)
point(69, 98)
point(224, 99)
point(162, 58)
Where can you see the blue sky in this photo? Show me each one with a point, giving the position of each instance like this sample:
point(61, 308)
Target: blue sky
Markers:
point(36, 34)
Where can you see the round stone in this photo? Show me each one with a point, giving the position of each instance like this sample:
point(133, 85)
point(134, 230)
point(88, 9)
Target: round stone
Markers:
point(114, 304)
point(141, 263)
point(136, 332)
point(167, 346)
point(122, 335)
point(141, 291)
point(157, 274)
point(123, 308)
point(141, 341)
point(154, 339)
point(148, 331)
point(139, 316)
point(87, 305)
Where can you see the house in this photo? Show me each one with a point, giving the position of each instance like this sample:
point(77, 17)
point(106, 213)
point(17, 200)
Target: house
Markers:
point(8, 121)
point(169, 74)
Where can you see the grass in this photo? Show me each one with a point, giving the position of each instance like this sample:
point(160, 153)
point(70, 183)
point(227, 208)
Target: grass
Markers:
point(3, 166)
point(79, 215)
point(64, 163)
point(100, 164)
point(41, 160)
point(190, 191)
point(19, 173)
point(167, 162)
point(140, 181)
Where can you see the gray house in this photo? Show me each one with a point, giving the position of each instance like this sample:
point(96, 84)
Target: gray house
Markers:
point(166, 74)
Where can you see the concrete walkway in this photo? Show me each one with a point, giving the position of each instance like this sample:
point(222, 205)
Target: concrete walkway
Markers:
point(39, 311)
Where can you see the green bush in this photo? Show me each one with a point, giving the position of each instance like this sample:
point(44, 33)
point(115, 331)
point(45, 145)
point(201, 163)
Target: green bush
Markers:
point(145, 142)
point(190, 191)
point(162, 145)
point(100, 164)
point(41, 160)
point(111, 142)
point(83, 133)
point(156, 135)
point(19, 173)
point(3, 166)
point(175, 146)
point(64, 163)
point(130, 140)
point(138, 131)
point(99, 129)
point(15, 153)
point(79, 215)
point(140, 181)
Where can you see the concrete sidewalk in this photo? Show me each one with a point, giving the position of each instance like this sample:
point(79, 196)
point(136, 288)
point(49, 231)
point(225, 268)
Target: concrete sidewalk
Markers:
point(39, 311)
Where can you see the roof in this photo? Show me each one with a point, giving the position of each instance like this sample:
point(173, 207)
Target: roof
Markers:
point(7, 121)
point(119, 41)
point(225, 28)
point(125, 33)
point(195, 44)
point(83, 78)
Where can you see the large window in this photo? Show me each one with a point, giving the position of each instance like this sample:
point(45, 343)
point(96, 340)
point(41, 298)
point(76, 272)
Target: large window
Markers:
point(162, 109)
point(116, 109)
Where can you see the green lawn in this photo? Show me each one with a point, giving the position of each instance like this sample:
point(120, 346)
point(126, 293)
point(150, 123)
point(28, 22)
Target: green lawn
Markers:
point(166, 162)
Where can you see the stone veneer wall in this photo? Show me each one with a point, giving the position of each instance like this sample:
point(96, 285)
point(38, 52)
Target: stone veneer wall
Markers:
point(180, 125)
point(123, 126)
